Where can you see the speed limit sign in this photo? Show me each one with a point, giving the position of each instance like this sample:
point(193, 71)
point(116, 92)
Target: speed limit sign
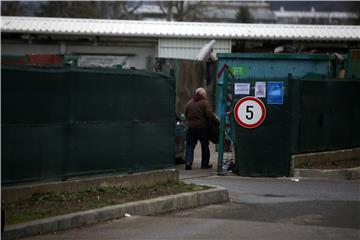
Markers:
point(249, 112)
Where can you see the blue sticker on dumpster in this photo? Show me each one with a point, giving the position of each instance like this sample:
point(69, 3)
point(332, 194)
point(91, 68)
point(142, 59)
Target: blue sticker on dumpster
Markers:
point(275, 93)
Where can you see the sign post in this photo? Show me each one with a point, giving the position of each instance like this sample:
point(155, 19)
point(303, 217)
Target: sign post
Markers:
point(249, 112)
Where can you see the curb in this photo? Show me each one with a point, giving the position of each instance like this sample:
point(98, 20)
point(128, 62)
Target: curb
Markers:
point(141, 208)
point(343, 174)
point(21, 191)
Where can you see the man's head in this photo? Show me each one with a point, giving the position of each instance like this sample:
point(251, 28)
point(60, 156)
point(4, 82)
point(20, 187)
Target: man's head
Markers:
point(200, 92)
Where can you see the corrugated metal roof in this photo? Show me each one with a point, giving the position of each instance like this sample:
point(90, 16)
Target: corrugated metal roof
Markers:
point(99, 27)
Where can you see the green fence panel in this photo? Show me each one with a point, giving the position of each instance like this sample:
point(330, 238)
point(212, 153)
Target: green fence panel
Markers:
point(329, 115)
point(30, 153)
point(35, 96)
point(59, 123)
point(266, 149)
point(353, 64)
point(317, 113)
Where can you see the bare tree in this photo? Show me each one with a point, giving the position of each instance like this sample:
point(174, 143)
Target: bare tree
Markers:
point(243, 15)
point(183, 10)
point(356, 9)
point(13, 8)
point(89, 9)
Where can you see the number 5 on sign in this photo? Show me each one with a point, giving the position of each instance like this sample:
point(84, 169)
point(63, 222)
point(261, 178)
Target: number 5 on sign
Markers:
point(249, 112)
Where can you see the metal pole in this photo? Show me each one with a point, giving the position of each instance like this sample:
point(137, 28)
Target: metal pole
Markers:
point(224, 88)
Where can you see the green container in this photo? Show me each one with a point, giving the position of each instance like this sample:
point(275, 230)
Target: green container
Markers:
point(269, 65)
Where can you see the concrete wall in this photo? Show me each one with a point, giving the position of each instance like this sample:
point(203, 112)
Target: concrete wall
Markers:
point(299, 160)
point(136, 55)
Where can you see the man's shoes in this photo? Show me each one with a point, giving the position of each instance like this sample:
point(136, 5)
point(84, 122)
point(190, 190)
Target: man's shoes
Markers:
point(188, 167)
point(206, 167)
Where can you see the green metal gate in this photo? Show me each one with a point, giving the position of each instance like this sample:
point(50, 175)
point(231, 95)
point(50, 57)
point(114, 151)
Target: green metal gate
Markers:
point(316, 113)
point(266, 149)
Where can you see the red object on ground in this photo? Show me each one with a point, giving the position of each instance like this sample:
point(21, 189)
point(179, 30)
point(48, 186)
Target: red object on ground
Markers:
point(13, 61)
point(39, 59)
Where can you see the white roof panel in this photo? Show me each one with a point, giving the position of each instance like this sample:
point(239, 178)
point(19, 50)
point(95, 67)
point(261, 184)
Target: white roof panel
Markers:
point(73, 26)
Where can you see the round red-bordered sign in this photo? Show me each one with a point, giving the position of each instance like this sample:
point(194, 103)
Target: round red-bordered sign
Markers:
point(249, 112)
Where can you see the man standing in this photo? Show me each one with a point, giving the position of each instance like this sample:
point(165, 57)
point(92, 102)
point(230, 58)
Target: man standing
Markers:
point(199, 115)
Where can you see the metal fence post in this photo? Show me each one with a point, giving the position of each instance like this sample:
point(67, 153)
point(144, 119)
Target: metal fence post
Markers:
point(224, 90)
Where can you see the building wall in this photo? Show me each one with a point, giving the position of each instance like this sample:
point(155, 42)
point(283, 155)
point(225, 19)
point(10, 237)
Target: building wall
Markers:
point(136, 55)
point(135, 52)
point(189, 48)
point(314, 17)
point(22, 49)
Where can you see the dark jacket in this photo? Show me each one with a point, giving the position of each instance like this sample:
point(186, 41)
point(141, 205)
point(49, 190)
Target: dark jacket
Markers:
point(199, 113)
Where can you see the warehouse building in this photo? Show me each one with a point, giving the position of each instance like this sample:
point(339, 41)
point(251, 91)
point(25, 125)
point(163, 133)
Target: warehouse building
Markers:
point(132, 43)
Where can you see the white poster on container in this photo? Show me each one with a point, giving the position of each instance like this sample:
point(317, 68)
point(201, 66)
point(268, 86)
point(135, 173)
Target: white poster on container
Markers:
point(242, 88)
point(260, 89)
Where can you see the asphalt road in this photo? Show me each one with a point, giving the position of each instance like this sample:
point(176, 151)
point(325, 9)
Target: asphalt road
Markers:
point(306, 202)
point(260, 208)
